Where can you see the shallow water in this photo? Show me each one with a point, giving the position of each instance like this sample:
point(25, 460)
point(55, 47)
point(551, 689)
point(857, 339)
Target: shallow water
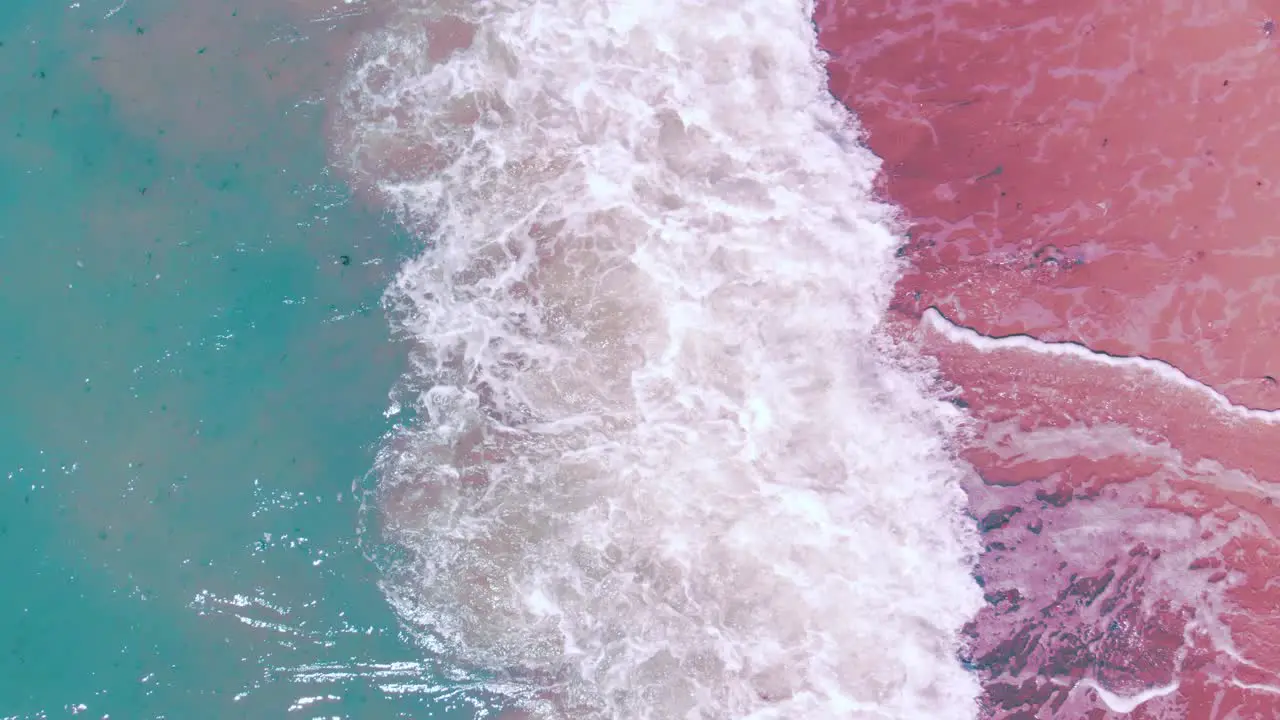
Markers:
point(192, 378)
point(1091, 194)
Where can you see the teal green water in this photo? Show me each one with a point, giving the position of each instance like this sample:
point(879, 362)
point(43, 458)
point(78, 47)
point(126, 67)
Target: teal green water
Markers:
point(191, 378)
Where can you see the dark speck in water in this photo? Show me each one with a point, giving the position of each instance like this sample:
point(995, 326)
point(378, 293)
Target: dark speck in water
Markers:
point(998, 170)
point(345, 259)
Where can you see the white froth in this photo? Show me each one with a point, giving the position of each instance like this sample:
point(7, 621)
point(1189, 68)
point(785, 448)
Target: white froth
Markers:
point(664, 466)
point(1154, 367)
point(1126, 704)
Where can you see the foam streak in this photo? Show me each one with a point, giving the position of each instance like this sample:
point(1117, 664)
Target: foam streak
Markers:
point(667, 464)
point(1165, 371)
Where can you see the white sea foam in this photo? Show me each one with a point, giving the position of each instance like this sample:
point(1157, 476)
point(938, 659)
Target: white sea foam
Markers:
point(664, 466)
point(1125, 704)
point(1154, 367)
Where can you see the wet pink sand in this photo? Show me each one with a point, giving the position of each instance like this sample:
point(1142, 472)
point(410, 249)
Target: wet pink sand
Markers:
point(1101, 176)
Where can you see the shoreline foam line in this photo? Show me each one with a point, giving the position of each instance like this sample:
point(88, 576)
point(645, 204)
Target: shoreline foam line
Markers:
point(696, 514)
point(1126, 704)
point(1020, 341)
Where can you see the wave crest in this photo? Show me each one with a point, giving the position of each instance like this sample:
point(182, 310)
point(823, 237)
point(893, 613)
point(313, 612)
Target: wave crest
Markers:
point(665, 464)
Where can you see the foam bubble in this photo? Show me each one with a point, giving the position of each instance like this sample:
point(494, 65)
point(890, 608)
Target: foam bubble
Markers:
point(665, 464)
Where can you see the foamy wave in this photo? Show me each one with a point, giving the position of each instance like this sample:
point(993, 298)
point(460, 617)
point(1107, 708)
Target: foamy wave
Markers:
point(665, 466)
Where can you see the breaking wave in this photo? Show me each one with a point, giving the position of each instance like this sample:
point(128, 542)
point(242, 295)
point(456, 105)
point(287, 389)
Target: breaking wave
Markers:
point(664, 462)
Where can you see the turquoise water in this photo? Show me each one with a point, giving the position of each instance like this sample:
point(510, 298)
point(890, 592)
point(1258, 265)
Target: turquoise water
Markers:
point(192, 376)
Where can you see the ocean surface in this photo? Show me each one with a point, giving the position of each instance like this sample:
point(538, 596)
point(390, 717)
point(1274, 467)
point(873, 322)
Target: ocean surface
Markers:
point(193, 380)
point(610, 482)
point(580, 360)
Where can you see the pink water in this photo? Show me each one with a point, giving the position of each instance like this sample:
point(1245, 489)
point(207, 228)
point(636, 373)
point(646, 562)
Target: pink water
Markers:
point(1099, 176)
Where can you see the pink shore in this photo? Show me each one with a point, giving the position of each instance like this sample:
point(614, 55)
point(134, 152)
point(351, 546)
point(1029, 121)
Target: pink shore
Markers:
point(1094, 262)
